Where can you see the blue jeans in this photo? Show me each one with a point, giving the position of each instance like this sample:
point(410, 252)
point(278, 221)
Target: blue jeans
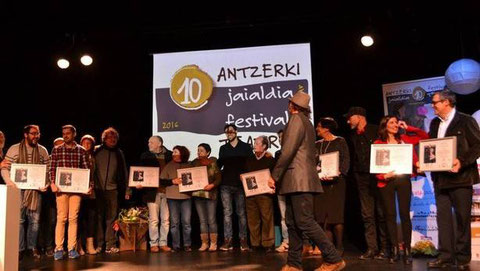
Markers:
point(33, 218)
point(156, 209)
point(228, 194)
point(207, 214)
point(180, 208)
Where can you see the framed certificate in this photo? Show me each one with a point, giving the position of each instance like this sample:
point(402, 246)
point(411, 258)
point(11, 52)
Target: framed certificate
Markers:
point(437, 154)
point(72, 180)
point(391, 157)
point(144, 176)
point(256, 182)
point(328, 164)
point(193, 179)
point(28, 176)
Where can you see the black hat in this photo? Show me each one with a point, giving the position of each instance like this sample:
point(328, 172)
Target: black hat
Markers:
point(355, 110)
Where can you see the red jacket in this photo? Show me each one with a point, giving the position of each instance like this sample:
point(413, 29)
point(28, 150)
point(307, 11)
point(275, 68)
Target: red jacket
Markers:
point(419, 134)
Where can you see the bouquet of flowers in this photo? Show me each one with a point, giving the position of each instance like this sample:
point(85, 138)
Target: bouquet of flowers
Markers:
point(132, 215)
point(425, 248)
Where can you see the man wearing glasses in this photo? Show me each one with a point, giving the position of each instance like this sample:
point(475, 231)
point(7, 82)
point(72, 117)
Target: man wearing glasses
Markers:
point(231, 161)
point(28, 151)
point(453, 189)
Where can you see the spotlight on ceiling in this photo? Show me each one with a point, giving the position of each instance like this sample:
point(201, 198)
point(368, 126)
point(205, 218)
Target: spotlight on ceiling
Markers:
point(367, 41)
point(86, 60)
point(62, 63)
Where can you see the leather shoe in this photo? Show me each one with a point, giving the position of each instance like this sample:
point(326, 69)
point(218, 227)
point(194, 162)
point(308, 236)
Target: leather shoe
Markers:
point(367, 255)
point(439, 263)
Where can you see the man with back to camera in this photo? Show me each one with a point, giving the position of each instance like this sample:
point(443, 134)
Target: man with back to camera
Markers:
point(296, 171)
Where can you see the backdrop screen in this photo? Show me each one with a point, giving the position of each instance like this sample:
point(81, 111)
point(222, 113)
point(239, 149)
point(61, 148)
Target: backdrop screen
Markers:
point(195, 94)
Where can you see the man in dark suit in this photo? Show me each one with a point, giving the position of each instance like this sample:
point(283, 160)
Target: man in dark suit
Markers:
point(453, 189)
point(296, 169)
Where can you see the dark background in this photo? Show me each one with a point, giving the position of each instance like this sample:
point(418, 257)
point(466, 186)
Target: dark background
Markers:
point(411, 42)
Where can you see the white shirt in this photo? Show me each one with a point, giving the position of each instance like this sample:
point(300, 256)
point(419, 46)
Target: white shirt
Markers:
point(444, 123)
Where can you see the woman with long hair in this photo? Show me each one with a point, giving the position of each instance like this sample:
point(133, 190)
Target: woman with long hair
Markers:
point(390, 184)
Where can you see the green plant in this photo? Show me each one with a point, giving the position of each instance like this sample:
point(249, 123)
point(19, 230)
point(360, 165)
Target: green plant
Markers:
point(424, 248)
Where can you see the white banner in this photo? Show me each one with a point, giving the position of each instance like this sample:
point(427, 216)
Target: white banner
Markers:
point(197, 93)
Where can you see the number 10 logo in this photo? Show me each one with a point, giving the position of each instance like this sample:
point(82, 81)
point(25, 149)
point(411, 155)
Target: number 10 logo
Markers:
point(191, 87)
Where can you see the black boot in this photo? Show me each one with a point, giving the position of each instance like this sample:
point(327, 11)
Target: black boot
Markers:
point(407, 255)
point(394, 255)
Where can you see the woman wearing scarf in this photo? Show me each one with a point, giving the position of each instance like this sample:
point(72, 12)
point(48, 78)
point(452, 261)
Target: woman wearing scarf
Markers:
point(179, 204)
point(206, 199)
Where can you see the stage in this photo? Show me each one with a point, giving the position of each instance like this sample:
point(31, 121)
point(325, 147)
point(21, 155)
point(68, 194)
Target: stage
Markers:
point(236, 260)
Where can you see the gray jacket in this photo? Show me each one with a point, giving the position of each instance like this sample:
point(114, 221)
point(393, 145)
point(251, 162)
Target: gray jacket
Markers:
point(296, 167)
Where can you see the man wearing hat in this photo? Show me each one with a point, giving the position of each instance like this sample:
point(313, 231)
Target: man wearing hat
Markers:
point(298, 182)
point(362, 136)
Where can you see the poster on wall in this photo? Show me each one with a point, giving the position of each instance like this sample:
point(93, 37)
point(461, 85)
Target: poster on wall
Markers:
point(411, 101)
point(195, 94)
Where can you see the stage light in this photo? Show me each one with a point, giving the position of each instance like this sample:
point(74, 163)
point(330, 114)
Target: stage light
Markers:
point(367, 41)
point(62, 63)
point(86, 60)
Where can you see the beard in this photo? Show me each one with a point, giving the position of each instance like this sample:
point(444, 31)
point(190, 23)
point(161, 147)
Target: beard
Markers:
point(32, 142)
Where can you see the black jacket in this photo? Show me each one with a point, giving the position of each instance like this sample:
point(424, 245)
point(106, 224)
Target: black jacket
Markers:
point(232, 162)
point(465, 128)
point(120, 176)
point(360, 148)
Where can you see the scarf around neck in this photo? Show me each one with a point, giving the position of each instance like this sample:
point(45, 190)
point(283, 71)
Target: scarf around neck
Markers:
point(30, 197)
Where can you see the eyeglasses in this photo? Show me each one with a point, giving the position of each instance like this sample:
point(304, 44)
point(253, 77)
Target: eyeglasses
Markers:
point(34, 134)
point(436, 102)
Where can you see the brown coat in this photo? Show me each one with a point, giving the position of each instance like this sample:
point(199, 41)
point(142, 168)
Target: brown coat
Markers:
point(296, 167)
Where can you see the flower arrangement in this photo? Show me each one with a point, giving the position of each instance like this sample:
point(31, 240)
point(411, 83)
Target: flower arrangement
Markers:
point(135, 214)
point(132, 215)
point(425, 248)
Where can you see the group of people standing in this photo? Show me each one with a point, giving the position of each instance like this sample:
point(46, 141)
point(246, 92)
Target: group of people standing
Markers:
point(379, 193)
point(311, 207)
point(90, 217)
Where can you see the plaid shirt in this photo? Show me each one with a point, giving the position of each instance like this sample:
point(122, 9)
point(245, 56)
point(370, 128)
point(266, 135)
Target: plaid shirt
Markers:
point(62, 156)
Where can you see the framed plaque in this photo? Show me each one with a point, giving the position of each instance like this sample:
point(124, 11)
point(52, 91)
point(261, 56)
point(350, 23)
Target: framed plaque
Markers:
point(72, 180)
point(28, 176)
point(437, 154)
point(144, 176)
point(391, 157)
point(328, 165)
point(256, 182)
point(193, 179)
